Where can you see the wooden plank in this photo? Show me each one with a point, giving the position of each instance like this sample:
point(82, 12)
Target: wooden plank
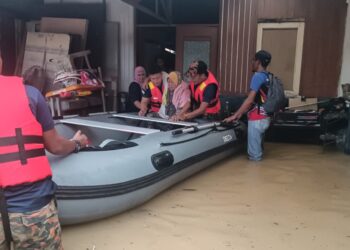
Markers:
point(322, 50)
point(224, 48)
point(253, 16)
point(323, 47)
point(238, 42)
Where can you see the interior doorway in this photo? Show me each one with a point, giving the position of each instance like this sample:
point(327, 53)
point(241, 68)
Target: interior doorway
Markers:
point(155, 44)
point(173, 29)
point(196, 42)
point(285, 43)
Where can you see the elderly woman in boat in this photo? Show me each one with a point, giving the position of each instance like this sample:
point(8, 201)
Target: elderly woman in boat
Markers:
point(176, 99)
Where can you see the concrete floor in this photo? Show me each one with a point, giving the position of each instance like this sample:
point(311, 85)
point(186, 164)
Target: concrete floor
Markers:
point(297, 198)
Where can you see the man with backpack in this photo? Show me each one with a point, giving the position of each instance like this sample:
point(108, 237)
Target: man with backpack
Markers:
point(262, 100)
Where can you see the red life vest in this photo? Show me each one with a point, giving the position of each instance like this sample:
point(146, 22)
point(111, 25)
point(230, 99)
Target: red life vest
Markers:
point(197, 94)
point(157, 96)
point(22, 153)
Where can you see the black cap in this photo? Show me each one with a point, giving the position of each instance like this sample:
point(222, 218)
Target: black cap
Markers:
point(202, 68)
point(264, 57)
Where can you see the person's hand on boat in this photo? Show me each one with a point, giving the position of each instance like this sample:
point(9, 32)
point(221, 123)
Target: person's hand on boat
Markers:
point(233, 118)
point(181, 117)
point(142, 112)
point(174, 118)
point(81, 138)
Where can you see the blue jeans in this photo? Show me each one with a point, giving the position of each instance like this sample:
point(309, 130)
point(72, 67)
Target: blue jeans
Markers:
point(256, 131)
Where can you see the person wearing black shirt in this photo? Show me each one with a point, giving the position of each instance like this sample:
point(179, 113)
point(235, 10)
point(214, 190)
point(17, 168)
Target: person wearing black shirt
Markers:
point(204, 92)
point(136, 90)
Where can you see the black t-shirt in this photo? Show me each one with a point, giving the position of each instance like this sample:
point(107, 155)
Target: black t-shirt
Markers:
point(209, 92)
point(135, 94)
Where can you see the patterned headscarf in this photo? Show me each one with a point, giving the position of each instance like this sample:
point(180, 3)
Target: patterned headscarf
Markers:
point(175, 77)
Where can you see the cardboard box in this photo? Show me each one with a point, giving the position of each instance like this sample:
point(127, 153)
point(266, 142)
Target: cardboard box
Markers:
point(299, 103)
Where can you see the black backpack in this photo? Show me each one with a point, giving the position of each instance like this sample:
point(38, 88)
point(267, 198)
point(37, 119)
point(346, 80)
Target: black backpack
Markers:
point(276, 99)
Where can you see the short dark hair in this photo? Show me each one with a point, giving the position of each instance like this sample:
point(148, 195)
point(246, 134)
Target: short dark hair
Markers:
point(154, 69)
point(36, 76)
point(263, 57)
point(202, 68)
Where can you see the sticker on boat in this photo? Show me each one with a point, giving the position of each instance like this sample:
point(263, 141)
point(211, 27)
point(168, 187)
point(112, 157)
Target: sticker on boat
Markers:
point(227, 138)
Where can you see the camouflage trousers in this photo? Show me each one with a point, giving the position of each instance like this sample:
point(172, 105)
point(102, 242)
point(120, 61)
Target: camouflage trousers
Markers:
point(34, 230)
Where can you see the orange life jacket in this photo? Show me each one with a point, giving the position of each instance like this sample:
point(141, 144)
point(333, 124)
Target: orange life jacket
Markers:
point(22, 153)
point(197, 94)
point(157, 96)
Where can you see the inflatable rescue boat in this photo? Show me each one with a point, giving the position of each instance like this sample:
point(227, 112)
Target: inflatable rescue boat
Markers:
point(132, 159)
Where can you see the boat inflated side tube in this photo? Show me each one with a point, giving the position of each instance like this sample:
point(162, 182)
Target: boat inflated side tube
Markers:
point(162, 160)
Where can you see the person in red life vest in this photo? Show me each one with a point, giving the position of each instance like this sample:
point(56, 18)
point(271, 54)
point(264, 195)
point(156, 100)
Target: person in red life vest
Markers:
point(153, 94)
point(28, 212)
point(258, 119)
point(205, 92)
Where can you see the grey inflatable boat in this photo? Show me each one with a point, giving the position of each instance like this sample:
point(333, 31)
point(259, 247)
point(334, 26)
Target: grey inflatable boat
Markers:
point(132, 160)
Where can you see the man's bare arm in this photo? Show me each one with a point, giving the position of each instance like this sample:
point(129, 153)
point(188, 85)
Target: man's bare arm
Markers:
point(58, 145)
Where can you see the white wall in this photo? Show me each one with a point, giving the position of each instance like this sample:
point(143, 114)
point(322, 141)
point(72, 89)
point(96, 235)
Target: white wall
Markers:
point(345, 70)
point(118, 11)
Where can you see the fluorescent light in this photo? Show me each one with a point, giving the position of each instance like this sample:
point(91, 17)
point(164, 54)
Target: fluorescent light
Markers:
point(170, 51)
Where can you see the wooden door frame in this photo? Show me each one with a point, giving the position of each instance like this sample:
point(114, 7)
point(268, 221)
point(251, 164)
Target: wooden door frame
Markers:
point(193, 32)
point(300, 26)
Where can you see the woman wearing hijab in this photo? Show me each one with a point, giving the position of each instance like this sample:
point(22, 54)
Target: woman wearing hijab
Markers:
point(177, 99)
point(136, 90)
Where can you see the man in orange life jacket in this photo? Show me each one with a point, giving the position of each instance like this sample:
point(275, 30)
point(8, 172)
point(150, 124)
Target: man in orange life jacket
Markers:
point(258, 119)
point(28, 212)
point(154, 92)
point(204, 91)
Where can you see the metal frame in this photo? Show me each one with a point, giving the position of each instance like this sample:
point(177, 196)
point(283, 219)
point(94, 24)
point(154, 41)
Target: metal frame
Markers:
point(165, 5)
point(110, 126)
point(157, 120)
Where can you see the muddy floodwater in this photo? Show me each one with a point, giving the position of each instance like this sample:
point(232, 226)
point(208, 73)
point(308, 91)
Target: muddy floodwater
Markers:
point(298, 197)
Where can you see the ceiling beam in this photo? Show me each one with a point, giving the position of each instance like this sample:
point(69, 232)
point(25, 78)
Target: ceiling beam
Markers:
point(166, 10)
point(138, 6)
point(157, 6)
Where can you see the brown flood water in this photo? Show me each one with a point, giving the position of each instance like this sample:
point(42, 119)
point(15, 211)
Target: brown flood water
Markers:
point(297, 198)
